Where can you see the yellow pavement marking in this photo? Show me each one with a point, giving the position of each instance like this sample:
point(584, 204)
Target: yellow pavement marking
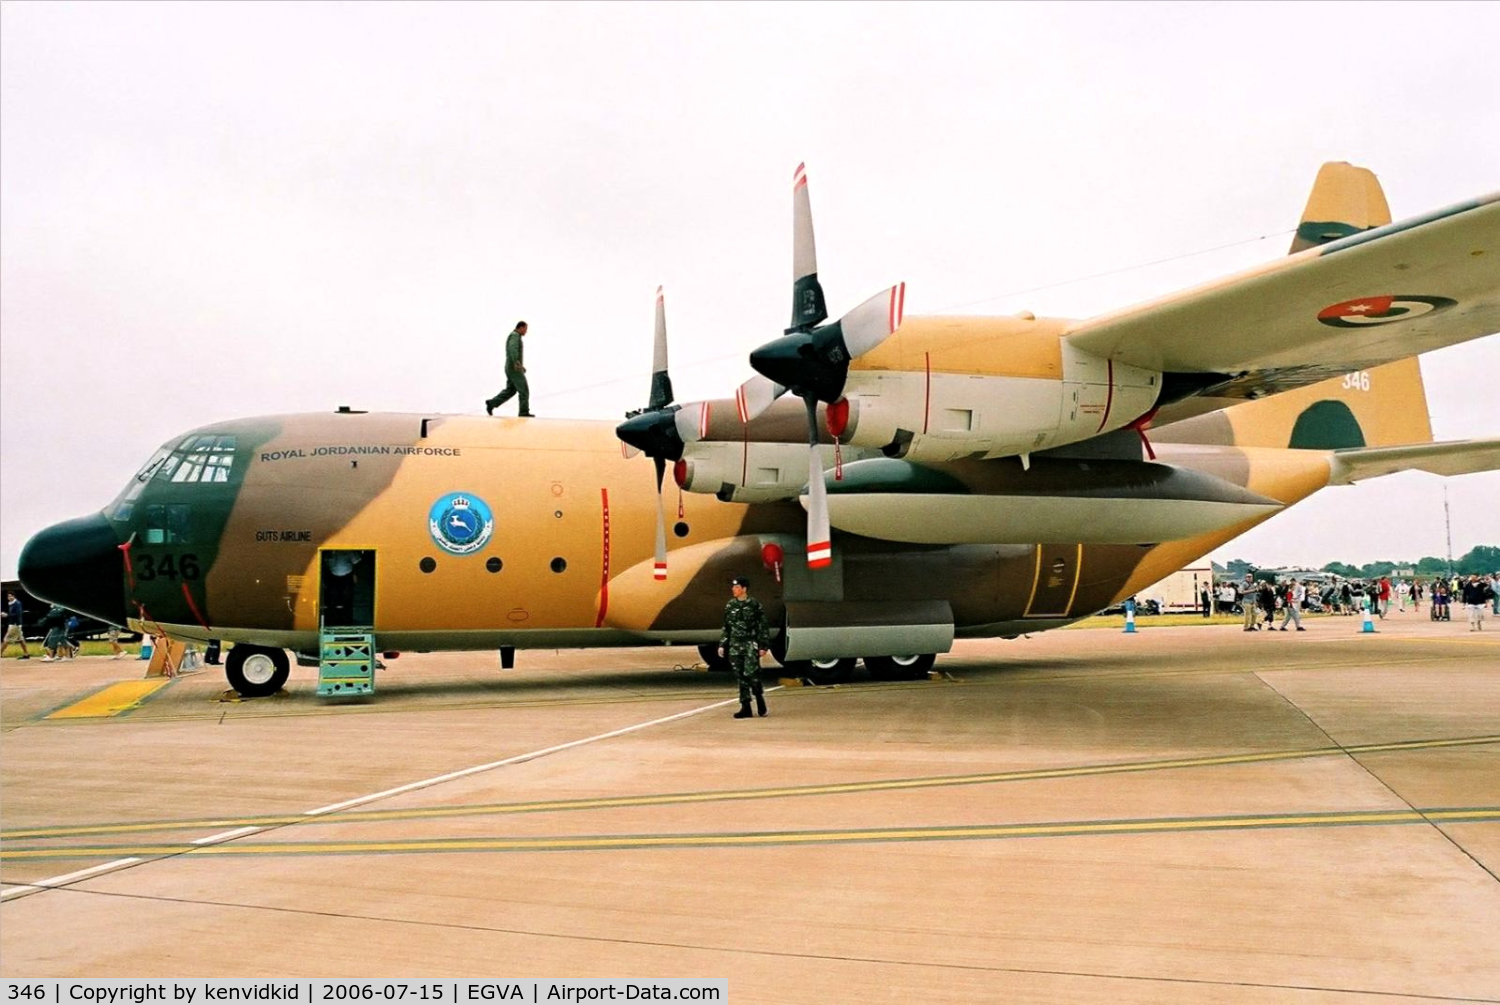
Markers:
point(734, 795)
point(614, 842)
point(113, 700)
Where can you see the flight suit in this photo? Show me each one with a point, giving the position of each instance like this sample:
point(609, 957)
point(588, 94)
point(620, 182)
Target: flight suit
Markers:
point(745, 634)
point(515, 377)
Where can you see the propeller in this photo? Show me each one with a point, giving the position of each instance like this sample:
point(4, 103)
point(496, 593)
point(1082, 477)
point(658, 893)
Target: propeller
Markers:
point(751, 398)
point(755, 395)
point(653, 430)
point(813, 362)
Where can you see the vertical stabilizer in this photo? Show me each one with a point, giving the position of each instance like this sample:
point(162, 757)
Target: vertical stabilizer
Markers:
point(1381, 407)
point(1345, 200)
point(1384, 406)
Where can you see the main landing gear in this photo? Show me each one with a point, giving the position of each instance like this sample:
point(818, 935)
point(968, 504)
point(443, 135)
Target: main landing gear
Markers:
point(835, 671)
point(914, 667)
point(840, 671)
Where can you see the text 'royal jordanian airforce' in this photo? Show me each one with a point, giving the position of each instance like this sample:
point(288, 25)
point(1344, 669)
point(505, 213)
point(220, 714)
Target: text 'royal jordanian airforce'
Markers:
point(960, 476)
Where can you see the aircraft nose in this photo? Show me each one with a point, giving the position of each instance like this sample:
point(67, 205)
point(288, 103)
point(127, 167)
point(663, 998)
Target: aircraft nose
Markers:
point(77, 564)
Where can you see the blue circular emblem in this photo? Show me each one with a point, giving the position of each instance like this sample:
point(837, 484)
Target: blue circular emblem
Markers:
point(460, 523)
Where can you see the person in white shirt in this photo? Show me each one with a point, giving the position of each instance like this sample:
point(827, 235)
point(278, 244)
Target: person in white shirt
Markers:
point(1226, 598)
point(1296, 593)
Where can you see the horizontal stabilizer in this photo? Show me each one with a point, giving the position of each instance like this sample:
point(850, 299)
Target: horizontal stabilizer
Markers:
point(1452, 457)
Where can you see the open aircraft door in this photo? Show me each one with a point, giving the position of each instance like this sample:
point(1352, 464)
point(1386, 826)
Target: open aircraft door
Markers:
point(346, 589)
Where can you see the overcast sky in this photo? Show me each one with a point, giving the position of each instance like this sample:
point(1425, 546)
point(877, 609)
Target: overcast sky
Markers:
point(213, 211)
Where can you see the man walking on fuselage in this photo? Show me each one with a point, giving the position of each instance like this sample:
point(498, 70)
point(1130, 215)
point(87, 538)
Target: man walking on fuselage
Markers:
point(515, 375)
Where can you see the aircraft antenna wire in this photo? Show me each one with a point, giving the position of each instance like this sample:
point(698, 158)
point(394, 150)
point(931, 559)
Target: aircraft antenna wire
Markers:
point(635, 376)
point(1116, 272)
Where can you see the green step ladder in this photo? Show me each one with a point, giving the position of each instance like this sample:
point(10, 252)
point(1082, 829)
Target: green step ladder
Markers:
point(346, 662)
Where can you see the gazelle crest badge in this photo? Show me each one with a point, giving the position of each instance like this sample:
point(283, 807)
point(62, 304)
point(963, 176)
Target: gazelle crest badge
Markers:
point(460, 523)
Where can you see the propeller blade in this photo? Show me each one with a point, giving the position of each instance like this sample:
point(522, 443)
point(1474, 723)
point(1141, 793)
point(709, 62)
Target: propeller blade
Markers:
point(808, 306)
point(873, 321)
point(661, 383)
point(755, 396)
point(819, 544)
point(659, 570)
point(652, 430)
point(692, 422)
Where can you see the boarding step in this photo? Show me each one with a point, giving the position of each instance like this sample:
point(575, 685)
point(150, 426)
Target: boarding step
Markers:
point(346, 663)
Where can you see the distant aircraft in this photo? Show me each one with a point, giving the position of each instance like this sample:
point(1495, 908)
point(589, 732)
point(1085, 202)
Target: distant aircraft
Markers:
point(961, 476)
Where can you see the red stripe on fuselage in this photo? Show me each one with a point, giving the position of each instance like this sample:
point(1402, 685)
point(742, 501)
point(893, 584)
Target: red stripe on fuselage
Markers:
point(927, 403)
point(188, 595)
point(604, 575)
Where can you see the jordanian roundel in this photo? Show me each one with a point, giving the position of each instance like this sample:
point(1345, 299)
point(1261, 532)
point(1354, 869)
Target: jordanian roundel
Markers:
point(1381, 310)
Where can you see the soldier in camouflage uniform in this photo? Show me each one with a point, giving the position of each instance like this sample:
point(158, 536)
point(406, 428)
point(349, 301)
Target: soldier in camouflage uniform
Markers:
point(745, 639)
point(515, 375)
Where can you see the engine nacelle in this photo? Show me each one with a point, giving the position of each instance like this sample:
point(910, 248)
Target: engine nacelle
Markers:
point(748, 472)
point(947, 416)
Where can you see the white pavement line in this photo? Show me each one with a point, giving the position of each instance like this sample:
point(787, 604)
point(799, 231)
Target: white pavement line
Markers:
point(518, 759)
point(56, 881)
point(228, 835)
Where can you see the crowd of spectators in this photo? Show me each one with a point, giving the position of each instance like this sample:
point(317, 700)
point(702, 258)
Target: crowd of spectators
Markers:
point(1260, 600)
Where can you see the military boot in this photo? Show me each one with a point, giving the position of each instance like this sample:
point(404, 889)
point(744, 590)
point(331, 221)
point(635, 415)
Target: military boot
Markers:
point(760, 701)
point(744, 712)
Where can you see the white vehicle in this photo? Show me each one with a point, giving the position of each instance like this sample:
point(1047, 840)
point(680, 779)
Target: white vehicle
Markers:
point(1181, 592)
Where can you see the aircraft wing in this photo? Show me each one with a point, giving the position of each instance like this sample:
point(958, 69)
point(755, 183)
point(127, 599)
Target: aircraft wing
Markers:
point(1376, 296)
point(1453, 457)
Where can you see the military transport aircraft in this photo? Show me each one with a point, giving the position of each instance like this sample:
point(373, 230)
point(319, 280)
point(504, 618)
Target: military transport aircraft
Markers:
point(961, 476)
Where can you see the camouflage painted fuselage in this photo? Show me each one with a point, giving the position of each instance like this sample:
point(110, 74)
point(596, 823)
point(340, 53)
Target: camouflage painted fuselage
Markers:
point(567, 558)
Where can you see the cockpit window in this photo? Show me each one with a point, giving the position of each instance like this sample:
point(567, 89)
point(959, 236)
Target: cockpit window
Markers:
point(125, 505)
point(206, 459)
point(151, 466)
point(197, 459)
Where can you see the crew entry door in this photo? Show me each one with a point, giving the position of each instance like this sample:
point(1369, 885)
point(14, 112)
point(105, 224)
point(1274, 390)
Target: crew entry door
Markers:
point(346, 589)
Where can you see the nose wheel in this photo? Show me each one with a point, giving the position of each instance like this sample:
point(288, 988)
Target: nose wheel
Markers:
point(256, 671)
